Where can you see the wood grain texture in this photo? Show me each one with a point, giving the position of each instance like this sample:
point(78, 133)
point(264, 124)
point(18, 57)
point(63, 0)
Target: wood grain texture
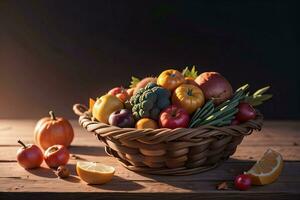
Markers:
point(15, 182)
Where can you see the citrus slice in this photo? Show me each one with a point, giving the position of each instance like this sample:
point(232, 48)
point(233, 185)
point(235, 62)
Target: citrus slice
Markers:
point(94, 173)
point(267, 169)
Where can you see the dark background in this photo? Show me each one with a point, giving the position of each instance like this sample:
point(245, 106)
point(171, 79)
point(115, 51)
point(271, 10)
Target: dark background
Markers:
point(57, 53)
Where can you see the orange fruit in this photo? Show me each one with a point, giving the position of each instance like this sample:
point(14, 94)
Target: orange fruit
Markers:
point(267, 169)
point(91, 104)
point(94, 173)
point(146, 123)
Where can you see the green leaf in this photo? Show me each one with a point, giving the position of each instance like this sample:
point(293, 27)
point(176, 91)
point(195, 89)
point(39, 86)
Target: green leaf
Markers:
point(134, 81)
point(193, 73)
point(258, 100)
point(264, 97)
point(261, 91)
point(258, 97)
point(243, 88)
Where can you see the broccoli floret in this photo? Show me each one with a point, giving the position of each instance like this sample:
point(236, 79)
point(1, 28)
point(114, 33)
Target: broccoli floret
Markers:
point(149, 101)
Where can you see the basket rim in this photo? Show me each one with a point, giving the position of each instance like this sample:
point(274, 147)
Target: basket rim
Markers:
point(83, 112)
point(106, 130)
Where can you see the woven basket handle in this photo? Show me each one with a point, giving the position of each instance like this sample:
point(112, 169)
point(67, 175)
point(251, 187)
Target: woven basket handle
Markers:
point(79, 109)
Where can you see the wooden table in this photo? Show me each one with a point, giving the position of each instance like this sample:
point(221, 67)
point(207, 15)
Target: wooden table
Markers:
point(42, 183)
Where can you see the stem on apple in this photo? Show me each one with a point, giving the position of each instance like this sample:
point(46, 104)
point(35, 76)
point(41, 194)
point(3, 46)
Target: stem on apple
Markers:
point(22, 143)
point(51, 113)
point(53, 149)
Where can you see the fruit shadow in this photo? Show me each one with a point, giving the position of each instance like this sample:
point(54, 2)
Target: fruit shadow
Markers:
point(50, 173)
point(119, 184)
point(73, 178)
point(43, 172)
point(114, 184)
point(87, 150)
point(226, 171)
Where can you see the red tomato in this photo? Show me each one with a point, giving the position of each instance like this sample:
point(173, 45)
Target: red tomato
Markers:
point(242, 182)
point(119, 92)
point(29, 156)
point(174, 117)
point(246, 112)
point(56, 155)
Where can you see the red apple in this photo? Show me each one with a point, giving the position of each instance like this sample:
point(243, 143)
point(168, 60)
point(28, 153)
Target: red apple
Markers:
point(56, 155)
point(119, 92)
point(246, 112)
point(174, 117)
point(29, 156)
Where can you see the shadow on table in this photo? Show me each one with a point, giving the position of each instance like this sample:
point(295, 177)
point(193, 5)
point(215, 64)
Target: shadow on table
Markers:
point(87, 150)
point(43, 172)
point(227, 171)
point(72, 179)
point(120, 184)
point(50, 173)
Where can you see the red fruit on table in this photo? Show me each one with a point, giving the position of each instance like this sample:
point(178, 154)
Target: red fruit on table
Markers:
point(174, 117)
point(29, 156)
point(56, 155)
point(246, 112)
point(119, 92)
point(242, 182)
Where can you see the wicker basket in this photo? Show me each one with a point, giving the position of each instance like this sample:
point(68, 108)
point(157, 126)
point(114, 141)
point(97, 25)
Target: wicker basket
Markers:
point(180, 151)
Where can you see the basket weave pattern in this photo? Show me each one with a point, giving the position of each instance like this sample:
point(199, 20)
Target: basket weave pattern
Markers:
point(180, 151)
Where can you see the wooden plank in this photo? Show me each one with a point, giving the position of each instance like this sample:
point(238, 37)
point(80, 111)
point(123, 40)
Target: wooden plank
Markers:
point(119, 183)
point(220, 195)
point(227, 171)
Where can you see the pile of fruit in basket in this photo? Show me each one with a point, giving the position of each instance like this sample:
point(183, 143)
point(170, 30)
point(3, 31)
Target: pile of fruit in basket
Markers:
point(178, 100)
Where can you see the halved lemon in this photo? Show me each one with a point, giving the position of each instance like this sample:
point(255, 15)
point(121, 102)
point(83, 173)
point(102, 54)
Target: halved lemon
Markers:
point(94, 173)
point(267, 169)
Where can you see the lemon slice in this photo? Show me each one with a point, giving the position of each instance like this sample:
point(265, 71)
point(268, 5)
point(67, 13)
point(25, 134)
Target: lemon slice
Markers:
point(94, 173)
point(267, 169)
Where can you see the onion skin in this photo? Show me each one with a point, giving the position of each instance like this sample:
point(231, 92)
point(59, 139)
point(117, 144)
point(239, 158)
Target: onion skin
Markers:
point(246, 112)
point(215, 87)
